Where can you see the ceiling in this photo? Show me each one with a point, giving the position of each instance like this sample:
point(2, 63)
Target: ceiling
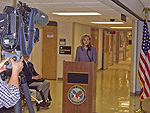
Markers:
point(49, 6)
point(146, 3)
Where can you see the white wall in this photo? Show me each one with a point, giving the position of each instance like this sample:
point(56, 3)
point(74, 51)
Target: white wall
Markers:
point(72, 32)
point(36, 55)
point(100, 48)
point(65, 30)
point(79, 31)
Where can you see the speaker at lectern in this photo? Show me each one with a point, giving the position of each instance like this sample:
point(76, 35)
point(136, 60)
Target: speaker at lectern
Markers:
point(79, 87)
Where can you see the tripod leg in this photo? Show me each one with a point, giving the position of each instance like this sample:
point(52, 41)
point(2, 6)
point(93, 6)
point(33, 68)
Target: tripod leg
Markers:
point(26, 93)
point(17, 107)
point(28, 98)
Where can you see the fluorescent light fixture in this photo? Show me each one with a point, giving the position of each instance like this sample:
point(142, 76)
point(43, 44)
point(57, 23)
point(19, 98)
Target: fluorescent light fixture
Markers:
point(121, 27)
point(107, 22)
point(76, 13)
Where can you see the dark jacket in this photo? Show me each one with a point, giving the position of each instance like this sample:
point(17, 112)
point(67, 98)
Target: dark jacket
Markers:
point(29, 71)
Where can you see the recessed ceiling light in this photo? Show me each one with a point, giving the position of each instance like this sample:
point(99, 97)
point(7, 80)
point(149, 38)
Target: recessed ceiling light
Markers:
point(107, 22)
point(76, 13)
point(121, 27)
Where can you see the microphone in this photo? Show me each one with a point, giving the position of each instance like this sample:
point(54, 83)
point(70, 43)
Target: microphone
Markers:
point(87, 52)
point(41, 18)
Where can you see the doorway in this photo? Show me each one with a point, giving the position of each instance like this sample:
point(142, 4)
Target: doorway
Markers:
point(95, 39)
point(49, 52)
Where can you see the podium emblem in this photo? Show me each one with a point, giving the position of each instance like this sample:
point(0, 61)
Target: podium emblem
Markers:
point(77, 94)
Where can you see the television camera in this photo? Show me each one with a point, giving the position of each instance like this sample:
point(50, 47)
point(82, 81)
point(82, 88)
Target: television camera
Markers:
point(17, 36)
point(17, 26)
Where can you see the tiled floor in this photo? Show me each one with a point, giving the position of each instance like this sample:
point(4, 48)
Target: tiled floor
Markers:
point(112, 92)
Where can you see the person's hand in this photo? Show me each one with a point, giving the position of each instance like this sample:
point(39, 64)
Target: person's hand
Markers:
point(16, 69)
point(36, 77)
point(16, 66)
point(2, 64)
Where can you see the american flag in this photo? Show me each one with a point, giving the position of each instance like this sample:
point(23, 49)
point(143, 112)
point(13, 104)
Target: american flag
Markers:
point(144, 64)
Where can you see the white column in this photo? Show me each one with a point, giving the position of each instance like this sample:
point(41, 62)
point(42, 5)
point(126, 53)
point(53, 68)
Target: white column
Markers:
point(124, 52)
point(133, 57)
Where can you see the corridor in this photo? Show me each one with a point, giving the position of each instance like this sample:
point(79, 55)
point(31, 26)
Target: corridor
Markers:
point(112, 92)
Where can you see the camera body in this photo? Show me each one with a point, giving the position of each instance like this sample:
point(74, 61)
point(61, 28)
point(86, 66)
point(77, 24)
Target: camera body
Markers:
point(17, 27)
point(10, 29)
point(15, 56)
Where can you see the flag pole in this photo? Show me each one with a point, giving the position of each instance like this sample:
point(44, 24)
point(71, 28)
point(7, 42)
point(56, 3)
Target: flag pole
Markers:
point(140, 110)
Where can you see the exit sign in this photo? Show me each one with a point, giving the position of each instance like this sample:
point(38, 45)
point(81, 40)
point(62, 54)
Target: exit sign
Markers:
point(112, 32)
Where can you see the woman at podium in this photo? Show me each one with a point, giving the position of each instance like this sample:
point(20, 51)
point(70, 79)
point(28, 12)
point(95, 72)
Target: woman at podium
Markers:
point(86, 52)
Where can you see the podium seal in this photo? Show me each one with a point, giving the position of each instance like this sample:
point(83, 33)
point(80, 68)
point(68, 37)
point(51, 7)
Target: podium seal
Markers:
point(77, 94)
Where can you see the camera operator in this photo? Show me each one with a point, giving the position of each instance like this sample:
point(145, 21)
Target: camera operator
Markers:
point(9, 93)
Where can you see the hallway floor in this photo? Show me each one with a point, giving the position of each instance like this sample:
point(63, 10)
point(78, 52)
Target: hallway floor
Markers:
point(112, 92)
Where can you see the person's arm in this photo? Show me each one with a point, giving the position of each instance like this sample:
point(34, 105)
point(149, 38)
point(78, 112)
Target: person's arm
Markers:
point(33, 71)
point(36, 75)
point(10, 93)
point(77, 55)
point(2, 64)
point(94, 54)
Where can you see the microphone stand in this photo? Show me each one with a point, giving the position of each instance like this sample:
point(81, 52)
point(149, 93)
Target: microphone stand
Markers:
point(88, 53)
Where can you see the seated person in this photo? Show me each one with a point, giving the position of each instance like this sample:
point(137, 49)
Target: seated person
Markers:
point(33, 78)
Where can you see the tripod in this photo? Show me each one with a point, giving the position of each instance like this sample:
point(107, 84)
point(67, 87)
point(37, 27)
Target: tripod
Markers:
point(23, 85)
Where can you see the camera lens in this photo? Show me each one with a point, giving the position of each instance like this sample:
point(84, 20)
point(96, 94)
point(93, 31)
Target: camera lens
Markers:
point(14, 58)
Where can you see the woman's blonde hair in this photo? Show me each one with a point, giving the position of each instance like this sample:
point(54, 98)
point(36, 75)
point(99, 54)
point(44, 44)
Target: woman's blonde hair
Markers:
point(82, 38)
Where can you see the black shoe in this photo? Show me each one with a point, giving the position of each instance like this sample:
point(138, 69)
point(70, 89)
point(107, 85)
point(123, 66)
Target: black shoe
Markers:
point(49, 102)
point(43, 104)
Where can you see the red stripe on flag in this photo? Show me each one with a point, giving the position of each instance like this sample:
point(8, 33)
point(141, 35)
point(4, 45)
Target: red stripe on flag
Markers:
point(144, 64)
point(144, 80)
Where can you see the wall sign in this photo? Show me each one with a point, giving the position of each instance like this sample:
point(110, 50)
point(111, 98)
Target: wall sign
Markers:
point(62, 41)
point(50, 35)
point(65, 50)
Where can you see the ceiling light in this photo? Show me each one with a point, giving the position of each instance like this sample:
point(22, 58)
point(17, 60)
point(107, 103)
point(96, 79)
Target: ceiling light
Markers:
point(76, 13)
point(107, 22)
point(121, 27)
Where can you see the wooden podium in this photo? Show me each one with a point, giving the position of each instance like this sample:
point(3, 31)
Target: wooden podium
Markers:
point(79, 87)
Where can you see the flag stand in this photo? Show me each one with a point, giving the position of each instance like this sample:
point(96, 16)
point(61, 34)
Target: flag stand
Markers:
point(140, 110)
